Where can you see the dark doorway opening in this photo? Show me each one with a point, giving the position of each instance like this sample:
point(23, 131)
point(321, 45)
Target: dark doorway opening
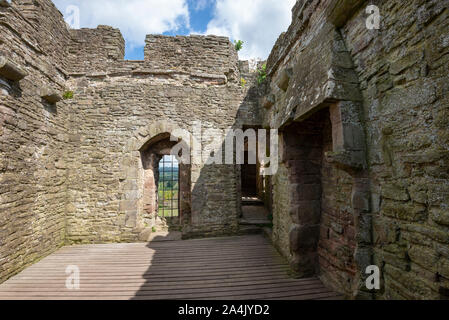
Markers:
point(249, 178)
point(321, 229)
point(254, 211)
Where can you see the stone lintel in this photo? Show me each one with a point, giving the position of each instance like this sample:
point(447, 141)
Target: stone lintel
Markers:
point(51, 96)
point(11, 71)
point(340, 11)
point(220, 79)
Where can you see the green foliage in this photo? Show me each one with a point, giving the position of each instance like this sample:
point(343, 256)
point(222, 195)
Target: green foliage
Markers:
point(238, 44)
point(68, 95)
point(153, 229)
point(168, 191)
point(169, 184)
point(242, 82)
point(262, 74)
point(168, 194)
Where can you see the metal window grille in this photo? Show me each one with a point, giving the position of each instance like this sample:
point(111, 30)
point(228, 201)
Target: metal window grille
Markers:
point(168, 189)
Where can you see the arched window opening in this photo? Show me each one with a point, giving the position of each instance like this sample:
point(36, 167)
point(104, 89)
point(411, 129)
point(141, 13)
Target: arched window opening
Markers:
point(168, 187)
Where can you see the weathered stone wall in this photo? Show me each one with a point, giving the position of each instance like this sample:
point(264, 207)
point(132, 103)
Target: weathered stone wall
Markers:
point(32, 135)
point(250, 113)
point(322, 229)
point(121, 106)
point(72, 170)
point(199, 54)
point(390, 85)
point(93, 50)
point(49, 36)
point(337, 242)
point(362, 114)
point(117, 107)
point(115, 116)
point(403, 71)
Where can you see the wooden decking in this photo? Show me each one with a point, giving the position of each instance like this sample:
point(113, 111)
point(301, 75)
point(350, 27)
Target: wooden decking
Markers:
point(233, 268)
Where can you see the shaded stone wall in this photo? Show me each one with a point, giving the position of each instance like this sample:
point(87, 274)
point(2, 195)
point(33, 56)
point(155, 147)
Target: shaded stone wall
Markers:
point(250, 112)
point(403, 72)
point(337, 241)
point(328, 230)
point(32, 136)
point(384, 197)
point(301, 154)
point(314, 219)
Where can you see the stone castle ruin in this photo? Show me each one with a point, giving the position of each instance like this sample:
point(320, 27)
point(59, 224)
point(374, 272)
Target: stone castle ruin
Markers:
point(362, 115)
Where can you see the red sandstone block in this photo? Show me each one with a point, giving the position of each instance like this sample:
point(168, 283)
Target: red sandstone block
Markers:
point(306, 192)
point(306, 212)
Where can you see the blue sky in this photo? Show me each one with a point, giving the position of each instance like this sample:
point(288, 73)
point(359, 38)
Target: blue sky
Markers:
point(257, 22)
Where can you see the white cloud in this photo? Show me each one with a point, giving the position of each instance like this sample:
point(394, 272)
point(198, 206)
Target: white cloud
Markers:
point(256, 22)
point(202, 4)
point(134, 18)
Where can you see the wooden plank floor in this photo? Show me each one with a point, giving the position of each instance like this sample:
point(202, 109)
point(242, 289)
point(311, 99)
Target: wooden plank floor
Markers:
point(233, 268)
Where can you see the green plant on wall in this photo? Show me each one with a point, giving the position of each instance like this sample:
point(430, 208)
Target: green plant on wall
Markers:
point(67, 95)
point(238, 44)
point(242, 82)
point(262, 74)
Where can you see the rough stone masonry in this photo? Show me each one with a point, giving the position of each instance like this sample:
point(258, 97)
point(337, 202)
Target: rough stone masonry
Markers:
point(363, 120)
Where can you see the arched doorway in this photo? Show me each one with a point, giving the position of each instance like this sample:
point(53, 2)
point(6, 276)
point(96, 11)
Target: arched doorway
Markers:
point(166, 185)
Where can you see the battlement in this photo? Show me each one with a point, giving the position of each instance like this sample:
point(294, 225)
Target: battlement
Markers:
point(208, 54)
point(94, 49)
point(102, 49)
